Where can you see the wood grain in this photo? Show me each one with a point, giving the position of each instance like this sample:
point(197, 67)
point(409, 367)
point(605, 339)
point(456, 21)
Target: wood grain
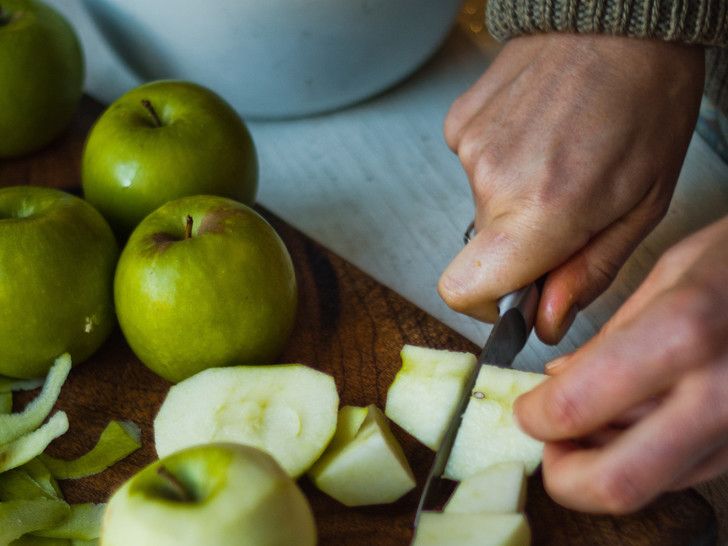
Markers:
point(353, 328)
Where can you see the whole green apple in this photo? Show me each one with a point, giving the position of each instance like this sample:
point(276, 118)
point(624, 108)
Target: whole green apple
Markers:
point(41, 75)
point(165, 140)
point(204, 282)
point(57, 259)
point(211, 495)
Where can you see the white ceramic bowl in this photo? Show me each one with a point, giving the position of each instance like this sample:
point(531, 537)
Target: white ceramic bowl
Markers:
point(276, 58)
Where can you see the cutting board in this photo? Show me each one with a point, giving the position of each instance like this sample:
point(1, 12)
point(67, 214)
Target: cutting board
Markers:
point(352, 327)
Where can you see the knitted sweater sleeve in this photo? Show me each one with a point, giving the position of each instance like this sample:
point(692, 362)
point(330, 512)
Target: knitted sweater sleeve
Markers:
point(690, 21)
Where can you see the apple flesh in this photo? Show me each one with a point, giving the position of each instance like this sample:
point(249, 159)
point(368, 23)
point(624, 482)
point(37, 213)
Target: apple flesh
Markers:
point(289, 411)
point(41, 70)
point(500, 489)
point(364, 463)
point(425, 393)
point(421, 398)
point(216, 495)
point(205, 282)
point(162, 141)
point(441, 529)
point(489, 433)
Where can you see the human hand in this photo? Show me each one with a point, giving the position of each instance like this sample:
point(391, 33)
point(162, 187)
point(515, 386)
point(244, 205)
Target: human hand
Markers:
point(643, 407)
point(573, 145)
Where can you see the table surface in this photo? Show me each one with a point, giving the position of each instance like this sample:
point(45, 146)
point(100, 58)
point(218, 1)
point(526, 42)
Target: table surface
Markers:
point(348, 325)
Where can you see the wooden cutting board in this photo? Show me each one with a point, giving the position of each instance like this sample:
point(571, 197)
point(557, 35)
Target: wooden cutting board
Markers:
point(352, 327)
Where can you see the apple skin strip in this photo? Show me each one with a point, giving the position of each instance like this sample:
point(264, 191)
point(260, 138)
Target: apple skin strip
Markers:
point(43, 477)
point(8, 384)
point(20, 517)
point(31, 445)
point(17, 484)
point(30, 540)
point(118, 440)
point(15, 425)
point(6, 403)
point(83, 523)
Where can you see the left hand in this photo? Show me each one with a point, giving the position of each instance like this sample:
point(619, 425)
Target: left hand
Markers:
point(643, 407)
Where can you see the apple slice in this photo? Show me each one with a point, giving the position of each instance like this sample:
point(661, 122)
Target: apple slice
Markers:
point(422, 396)
point(489, 433)
point(440, 529)
point(14, 425)
point(364, 464)
point(500, 489)
point(31, 445)
point(289, 411)
point(117, 441)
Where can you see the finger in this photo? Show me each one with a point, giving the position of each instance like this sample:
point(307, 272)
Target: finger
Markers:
point(575, 284)
point(509, 252)
point(634, 467)
point(611, 374)
point(714, 465)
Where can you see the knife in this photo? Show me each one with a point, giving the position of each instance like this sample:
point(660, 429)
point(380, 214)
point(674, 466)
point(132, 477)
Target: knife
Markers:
point(517, 312)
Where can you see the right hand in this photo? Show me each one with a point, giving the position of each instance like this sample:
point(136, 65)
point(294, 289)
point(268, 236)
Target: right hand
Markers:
point(572, 145)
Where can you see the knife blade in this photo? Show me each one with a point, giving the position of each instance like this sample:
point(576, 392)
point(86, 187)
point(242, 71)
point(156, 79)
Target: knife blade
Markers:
point(517, 312)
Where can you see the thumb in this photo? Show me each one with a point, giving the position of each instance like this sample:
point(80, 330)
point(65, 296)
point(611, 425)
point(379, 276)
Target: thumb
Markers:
point(506, 254)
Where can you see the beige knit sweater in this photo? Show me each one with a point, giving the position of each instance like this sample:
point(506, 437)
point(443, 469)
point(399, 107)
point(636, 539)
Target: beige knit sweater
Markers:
point(703, 22)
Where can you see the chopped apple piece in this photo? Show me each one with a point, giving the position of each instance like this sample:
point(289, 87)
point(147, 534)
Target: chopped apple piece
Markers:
point(31, 445)
point(288, 411)
point(118, 440)
point(364, 464)
point(20, 517)
point(489, 433)
point(423, 395)
point(440, 529)
point(83, 523)
point(14, 425)
point(500, 489)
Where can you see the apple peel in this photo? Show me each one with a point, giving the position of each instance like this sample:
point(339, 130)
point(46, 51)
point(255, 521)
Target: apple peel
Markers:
point(9, 384)
point(20, 517)
point(15, 425)
point(31, 445)
point(17, 484)
point(6, 403)
point(32, 540)
point(117, 441)
point(43, 477)
point(83, 523)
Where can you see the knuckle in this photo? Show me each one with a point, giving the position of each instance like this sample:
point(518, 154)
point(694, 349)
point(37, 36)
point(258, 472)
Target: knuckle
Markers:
point(618, 492)
point(564, 410)
point(692, 326)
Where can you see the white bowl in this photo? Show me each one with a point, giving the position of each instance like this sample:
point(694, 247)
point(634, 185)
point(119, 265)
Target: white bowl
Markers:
point(276, 58)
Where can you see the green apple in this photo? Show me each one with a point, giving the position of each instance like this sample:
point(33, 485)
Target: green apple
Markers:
point(288, 411)
point(441, 529)
point(364, 464)
point(216, 495)
point(205, 282)
point(161, 141)
point(57, 259)
point(41, 75)
point(421, 397)
point(500, 488)
point(424, 395)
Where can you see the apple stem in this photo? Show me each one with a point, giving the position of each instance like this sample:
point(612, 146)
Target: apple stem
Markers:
point(175, 485)
point(188, 227)
point(148, 105)
point(4, 17)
